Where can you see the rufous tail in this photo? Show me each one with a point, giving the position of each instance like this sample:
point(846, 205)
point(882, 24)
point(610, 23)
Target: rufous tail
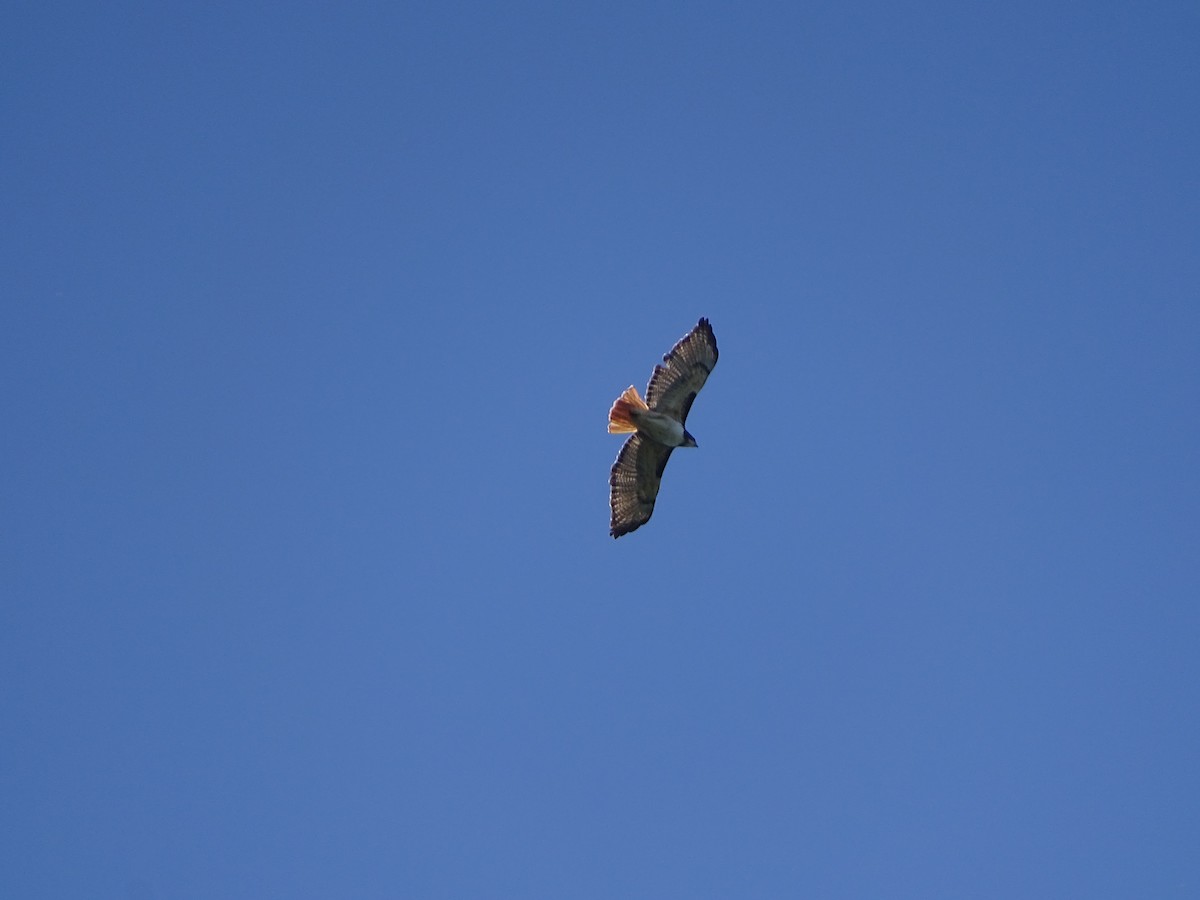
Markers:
point(620, 417)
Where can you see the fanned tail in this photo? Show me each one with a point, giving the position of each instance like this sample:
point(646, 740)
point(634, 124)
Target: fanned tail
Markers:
point(621, 416)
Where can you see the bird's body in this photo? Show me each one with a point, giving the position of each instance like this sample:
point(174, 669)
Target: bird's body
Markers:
point(665, 429)
point(631, 414)
point(657, 426)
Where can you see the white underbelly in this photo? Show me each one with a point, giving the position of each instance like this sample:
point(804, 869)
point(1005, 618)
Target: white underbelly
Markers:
point(661, 428)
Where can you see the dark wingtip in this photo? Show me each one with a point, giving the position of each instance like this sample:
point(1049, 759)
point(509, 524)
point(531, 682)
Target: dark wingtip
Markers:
point(712, 338)
point(619, 530)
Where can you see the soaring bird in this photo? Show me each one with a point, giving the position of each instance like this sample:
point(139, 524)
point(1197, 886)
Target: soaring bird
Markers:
point(656, 427)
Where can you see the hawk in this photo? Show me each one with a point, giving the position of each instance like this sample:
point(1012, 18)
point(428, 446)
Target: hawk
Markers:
point(657, 426)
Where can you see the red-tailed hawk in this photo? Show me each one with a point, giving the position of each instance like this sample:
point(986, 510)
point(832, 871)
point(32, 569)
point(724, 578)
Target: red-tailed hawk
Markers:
point(657, 424)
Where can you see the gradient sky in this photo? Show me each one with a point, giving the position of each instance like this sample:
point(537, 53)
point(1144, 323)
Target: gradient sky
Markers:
point(311, 319)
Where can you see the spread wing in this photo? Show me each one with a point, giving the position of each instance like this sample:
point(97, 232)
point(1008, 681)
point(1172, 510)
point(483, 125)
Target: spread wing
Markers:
point(674, 385)
point(634, 483)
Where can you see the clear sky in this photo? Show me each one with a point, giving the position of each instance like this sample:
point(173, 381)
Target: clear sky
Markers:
point(311, 317)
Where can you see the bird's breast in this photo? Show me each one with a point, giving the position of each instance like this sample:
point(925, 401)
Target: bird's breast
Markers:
point(661, 428)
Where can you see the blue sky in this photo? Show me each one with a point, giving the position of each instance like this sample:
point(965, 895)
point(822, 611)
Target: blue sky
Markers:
point(311, 321)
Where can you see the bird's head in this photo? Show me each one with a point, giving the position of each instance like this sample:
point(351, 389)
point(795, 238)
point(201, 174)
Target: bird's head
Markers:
point(688, 440)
